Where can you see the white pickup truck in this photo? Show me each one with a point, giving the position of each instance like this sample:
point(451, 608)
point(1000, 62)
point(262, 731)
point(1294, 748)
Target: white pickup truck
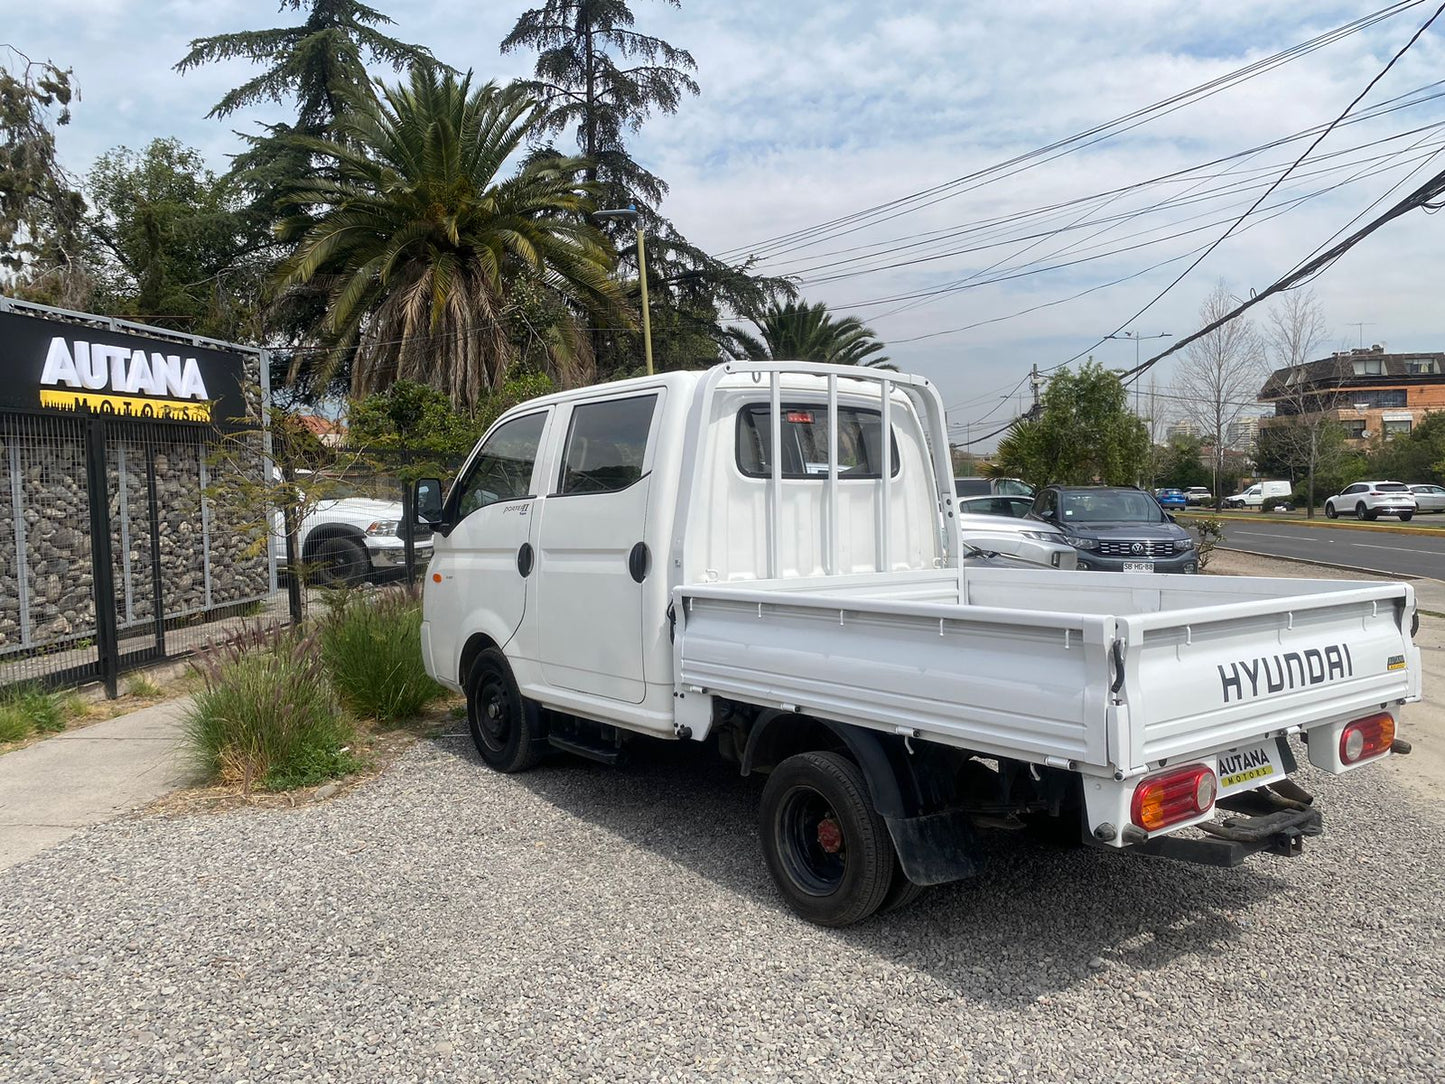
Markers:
point(739, 557)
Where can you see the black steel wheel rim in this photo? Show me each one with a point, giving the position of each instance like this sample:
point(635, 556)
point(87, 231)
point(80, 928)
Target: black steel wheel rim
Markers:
point(494, 713)
point(814, 868)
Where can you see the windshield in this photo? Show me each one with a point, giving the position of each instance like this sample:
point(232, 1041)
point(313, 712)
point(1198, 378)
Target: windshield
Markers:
point(1110, 506)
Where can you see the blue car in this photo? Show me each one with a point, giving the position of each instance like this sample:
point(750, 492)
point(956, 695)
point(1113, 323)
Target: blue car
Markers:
point(1171, 498)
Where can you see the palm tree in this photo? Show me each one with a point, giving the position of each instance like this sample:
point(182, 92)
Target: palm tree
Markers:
point(797, 331)
point(431, 264)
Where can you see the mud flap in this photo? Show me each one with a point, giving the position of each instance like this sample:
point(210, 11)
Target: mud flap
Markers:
point(935, 848)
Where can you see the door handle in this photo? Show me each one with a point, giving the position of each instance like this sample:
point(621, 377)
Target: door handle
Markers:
point(524, 560)
point(637, 562)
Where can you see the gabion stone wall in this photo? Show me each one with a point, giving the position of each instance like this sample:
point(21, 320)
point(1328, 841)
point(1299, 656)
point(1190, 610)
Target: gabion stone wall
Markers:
point(45, 468)
point(204, 564)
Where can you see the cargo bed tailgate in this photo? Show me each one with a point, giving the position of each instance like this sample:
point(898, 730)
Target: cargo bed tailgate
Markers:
point(1215, 677)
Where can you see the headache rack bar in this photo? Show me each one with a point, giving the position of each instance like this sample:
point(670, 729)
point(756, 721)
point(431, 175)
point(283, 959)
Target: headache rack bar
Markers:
point(926, 403)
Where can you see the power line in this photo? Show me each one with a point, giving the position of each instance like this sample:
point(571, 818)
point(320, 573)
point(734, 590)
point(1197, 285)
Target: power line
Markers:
point(1319, 139)
point(1070, 144)
point(1424, 197)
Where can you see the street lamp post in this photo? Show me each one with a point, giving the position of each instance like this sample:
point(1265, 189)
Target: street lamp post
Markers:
point(1136, 337)
point(630, 212)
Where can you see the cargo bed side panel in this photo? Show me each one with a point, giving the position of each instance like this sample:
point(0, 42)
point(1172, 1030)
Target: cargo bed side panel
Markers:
point(1035, 688)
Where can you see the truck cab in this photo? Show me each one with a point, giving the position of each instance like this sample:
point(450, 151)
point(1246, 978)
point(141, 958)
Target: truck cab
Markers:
point(572, 507)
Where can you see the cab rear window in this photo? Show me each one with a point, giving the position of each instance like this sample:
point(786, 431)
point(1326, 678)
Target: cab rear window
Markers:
point(804, 441)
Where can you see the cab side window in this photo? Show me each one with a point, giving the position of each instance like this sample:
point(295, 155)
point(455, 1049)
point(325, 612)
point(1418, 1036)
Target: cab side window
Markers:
point(502, 470)
point(606, 444)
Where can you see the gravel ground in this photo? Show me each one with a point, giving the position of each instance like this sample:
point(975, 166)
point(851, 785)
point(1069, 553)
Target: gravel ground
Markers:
point(584, 923)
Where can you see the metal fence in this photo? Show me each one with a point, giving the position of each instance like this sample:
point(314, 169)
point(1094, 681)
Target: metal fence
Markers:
point(115, 551)
point(111, 553)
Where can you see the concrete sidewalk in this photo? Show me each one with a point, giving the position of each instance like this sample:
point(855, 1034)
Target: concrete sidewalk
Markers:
point(54, 788)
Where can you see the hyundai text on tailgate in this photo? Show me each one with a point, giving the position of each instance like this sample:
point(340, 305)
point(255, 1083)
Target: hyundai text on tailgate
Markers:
point(765, 558)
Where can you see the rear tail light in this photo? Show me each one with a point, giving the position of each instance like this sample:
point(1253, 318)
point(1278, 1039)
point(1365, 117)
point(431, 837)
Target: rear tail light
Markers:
point(1172, 797)
point(1367, 737)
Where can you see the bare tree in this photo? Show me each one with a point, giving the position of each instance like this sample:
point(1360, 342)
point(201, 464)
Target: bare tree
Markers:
point(1219, 375)
point(1155, 412)
point(1304, 434)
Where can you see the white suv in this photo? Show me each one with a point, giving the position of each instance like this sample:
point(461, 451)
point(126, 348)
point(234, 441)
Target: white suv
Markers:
point(1370, 500)
point(1024, 539)
point(350, 539)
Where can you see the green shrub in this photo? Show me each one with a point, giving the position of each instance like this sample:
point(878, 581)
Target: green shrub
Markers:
point(371, 645)
point(28, 708)
point(267, 716)
point(1208, 533)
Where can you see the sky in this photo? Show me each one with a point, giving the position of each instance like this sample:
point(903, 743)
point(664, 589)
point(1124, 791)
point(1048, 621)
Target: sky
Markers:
point(813, 112)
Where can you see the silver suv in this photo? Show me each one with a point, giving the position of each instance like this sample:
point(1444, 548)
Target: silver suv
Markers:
point(1370, 500)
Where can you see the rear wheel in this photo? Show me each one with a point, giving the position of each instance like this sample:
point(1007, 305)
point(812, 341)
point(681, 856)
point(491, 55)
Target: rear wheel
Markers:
point(504, 726)
point(1405, 517)
point(901, 892)
point(826, 846)
point(1361, 512)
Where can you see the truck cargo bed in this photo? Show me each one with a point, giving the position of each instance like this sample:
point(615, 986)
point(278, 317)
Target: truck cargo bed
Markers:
point(1105, 673)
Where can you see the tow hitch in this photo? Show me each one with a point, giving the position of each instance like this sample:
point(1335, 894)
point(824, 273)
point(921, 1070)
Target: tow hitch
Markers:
point(1274, 819)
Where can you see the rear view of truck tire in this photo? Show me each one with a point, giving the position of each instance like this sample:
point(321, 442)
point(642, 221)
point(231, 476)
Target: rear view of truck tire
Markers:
point(765, 557)
point(825, 844)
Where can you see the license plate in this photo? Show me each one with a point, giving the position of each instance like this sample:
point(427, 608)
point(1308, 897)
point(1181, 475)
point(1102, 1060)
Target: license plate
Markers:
point(1138, 566)
point(1251, 766)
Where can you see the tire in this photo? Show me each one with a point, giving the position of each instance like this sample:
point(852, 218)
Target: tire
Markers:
point(337, 561)
point(826, 847)
point(1330, 512)
point(1361, 512)
point(504, 726)
point(901, 892)
point(1405, 517)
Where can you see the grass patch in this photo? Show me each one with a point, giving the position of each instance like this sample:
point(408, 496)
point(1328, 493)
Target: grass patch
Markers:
point(371, 647)
point(267, 717)
point(144, 689)
point(30, 709)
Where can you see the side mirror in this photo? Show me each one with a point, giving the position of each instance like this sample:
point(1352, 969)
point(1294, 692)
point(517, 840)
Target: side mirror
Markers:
point(428, 502)
point(1170, 517)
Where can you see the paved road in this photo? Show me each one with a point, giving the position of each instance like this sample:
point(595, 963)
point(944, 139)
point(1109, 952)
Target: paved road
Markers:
point(1400, 554)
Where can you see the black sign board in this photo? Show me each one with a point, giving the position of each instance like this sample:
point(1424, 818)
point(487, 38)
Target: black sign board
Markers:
point(49, 364)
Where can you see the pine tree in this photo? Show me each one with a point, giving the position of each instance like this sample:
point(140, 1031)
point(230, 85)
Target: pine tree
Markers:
point(596, 73)
point(600, 78)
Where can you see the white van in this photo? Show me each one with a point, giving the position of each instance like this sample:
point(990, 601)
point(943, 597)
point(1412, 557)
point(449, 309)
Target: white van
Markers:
point(1257, 494)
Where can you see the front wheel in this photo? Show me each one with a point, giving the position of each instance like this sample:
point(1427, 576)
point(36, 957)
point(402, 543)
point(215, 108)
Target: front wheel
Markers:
point(504, 726)
point(1330, 512)
point(826, 846)
point(338, 561)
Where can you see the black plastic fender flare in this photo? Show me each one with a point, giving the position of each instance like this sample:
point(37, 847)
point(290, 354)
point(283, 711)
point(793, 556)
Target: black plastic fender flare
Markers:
point(864, 746)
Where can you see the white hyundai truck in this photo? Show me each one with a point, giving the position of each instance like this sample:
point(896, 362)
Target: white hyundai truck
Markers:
point(765, 557)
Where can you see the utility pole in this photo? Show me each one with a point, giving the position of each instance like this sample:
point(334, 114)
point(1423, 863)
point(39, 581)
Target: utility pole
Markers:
point(1035, 383)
